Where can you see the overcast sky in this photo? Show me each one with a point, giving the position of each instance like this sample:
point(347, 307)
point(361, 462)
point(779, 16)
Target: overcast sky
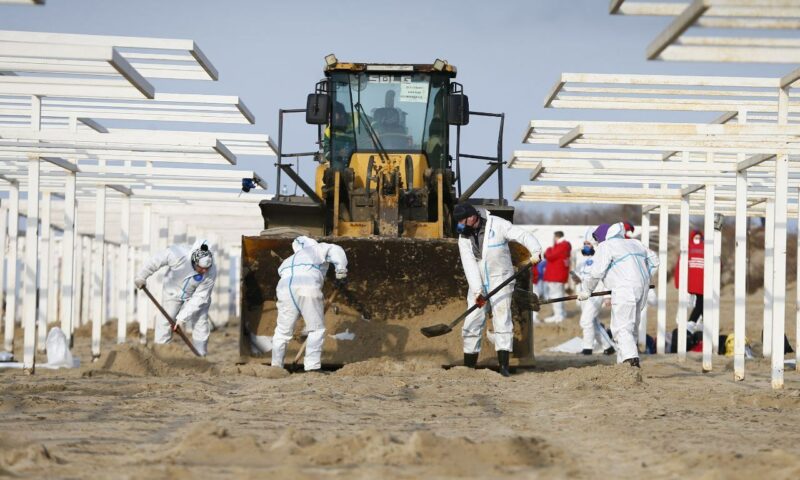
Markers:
point(270, 53)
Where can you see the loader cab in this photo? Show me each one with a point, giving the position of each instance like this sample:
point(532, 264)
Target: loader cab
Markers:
point(394, 108)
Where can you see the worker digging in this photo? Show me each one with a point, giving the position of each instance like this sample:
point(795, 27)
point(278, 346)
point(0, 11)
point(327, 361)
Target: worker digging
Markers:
point(186, 293)
point(373, 283)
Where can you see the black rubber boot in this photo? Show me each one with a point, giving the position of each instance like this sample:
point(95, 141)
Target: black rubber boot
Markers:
point(633, 362)
point(586, 351)
point(502, 359)
point(470, 360)
point(609, 351)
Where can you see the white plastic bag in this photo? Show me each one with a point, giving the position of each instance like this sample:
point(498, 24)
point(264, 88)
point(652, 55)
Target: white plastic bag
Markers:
point(58, 354)
point(260, 344)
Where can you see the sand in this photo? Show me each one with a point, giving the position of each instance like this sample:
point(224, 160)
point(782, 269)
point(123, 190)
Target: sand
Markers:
point(143, 412)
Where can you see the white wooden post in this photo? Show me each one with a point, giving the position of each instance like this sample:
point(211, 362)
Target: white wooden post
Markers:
point(769, 256)
point(12, 299)
point(717, 285)
point(77, 278)
point(55, 276)
point(663, 230)
point(68, 258)
point(740, 282)
point(708, 273)
point(99, 267)
point(86, 281)
point(224, 290)
point(646, 243)
point(797, 298)
point(146, 252)
point(124, 283)
point(683, 279)
point(31, 265)
point(44, 272)
point(781, 218)
point(3, 252)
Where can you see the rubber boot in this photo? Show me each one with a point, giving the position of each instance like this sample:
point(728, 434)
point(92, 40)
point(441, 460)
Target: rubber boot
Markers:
point(470, 360)
point(609, 351)
point(586, 351)
point(502, 359)
point(633, 362)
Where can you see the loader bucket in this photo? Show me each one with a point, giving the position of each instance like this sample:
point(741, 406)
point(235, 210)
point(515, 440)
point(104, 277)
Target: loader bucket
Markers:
point(398, 284)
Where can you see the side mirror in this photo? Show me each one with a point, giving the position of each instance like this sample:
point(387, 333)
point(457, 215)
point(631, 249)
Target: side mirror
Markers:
point(318, 108)
point(457, 109)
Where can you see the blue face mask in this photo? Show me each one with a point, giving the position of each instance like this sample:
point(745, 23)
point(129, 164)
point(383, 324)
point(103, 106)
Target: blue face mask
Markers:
point(198, 277)
point(464, 229)
point(587, 251)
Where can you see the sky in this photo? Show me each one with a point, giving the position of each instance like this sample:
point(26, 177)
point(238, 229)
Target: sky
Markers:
point(508, 53)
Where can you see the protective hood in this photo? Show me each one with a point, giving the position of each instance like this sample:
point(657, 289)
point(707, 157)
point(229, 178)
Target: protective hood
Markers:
point(302, 242)
point(616, 230)
point(696, 232)
point(600, 232)
point(587, 236)
point(201, 254)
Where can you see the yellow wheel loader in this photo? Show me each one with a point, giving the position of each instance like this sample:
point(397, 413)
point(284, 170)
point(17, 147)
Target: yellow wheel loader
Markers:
point(384, 188)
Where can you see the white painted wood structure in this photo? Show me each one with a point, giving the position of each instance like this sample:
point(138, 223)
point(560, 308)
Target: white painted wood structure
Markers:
point(63, 168)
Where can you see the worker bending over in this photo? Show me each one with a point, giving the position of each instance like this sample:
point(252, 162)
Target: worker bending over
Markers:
point(486, 258)
point(626, 267)
point(299, 292)
point(186, 290)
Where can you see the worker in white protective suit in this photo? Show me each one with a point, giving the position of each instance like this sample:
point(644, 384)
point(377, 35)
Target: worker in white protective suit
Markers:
point(186, 291)
point(625, 266)
point(593, 331)
point(299, 292)
point(486, 258)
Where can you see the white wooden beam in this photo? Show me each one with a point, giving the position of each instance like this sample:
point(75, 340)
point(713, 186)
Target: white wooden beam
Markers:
point(30, 268)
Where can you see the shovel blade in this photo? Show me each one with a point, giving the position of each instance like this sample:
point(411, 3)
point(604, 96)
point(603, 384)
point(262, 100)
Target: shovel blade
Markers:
point(533, 301)
point(529, 298)
point(436, 330)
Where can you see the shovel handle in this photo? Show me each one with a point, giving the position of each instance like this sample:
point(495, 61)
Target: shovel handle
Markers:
point(575, 297)
point(171, 321)
point(496, 289)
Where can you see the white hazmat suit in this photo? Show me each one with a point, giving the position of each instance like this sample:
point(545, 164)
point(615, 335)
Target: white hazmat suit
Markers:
point(185, 295)
point(299, 292)
point(625, 266)
point(590, 308)
point(485, 273)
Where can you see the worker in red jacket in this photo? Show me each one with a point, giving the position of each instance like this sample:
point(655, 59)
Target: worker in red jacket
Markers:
point(696, 263)
point(556, 274)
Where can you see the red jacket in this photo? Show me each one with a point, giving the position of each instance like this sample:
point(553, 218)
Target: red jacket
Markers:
point(557, 268)
point(696, 264)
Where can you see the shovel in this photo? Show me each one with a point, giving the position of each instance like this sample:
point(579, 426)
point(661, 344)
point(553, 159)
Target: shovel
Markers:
point(302, 350)
point(535, 302)
point(442, 329)
point(172, 322)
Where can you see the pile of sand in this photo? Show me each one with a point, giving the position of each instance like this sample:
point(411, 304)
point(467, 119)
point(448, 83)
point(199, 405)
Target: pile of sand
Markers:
point(255, 370)
point(595, 377)
point(386, 366)
point(456, 455)
point(451, 456)
point(153, 361)
point(17, 459)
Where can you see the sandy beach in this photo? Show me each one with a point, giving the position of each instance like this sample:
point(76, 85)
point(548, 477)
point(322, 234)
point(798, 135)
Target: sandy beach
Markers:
point(160, 413)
